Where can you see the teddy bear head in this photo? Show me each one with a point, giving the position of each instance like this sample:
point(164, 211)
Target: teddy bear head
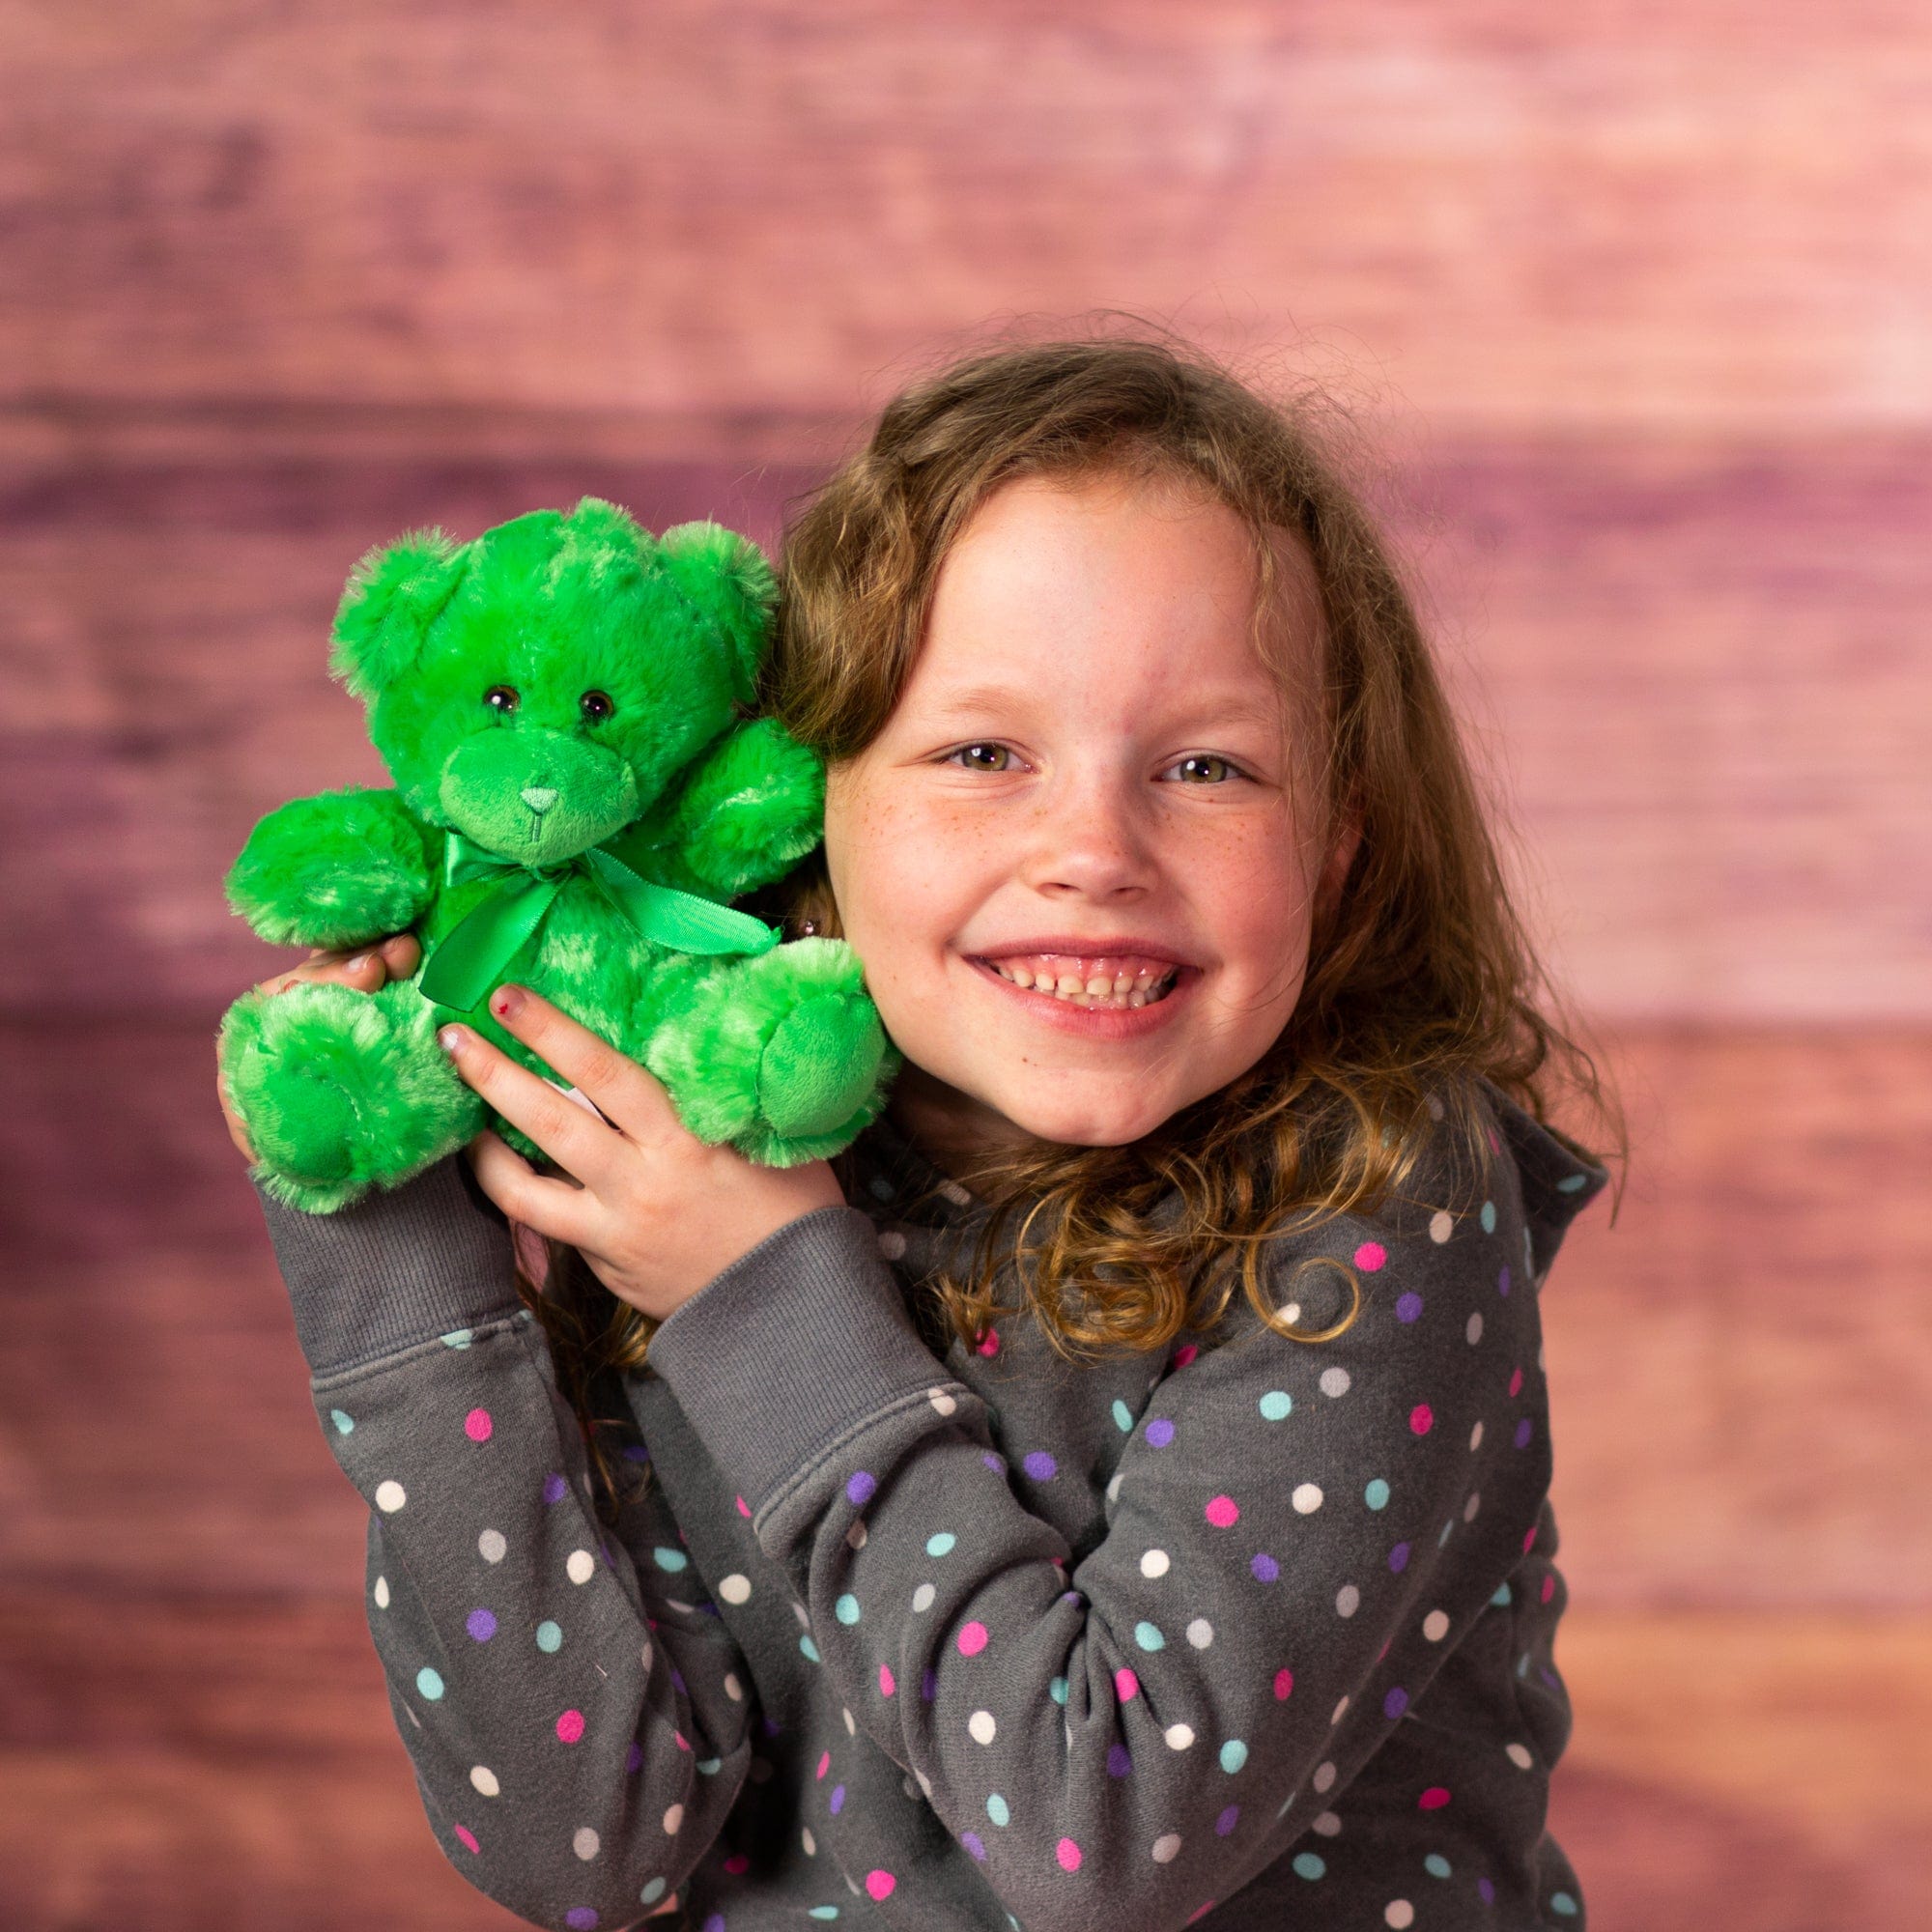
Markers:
point(539, 688)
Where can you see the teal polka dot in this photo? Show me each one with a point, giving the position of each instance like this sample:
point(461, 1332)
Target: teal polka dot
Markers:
point(1570, 1182)
point(1502, 1595)
point(1148, 1636)
point(1436, 1865)
point(1234, 1754)
point(940, 1545)
point(811, 1649)
point(1377, 1495)
point(997, 1811)
point(1489, 1218)
point(1276, 1403)
point(1123, 1418)
point(669, 1559)
point(846, 1609)
point(710, 1766)
point(823, 1912)
point(1561, 1901)
point(549, 1637)
point(343, 1423)
point(456, 1338)
point(1057, 1690)
point(429, 1683)
point(651, 1892)
point(1308, 1865)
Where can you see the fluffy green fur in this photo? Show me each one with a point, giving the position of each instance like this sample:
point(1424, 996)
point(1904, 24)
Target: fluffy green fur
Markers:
point(782, 1053)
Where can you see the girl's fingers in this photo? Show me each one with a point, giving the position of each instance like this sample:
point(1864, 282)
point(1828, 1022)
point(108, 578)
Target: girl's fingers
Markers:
point(626, 1094)
point(363, 969)
point(571, 1135)
point(553, 1207)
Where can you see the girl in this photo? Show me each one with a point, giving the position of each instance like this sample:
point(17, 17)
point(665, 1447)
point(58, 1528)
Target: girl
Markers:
point(967, 1552)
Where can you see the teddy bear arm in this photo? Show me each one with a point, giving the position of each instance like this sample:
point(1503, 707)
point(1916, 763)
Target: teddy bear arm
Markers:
point(334, 869)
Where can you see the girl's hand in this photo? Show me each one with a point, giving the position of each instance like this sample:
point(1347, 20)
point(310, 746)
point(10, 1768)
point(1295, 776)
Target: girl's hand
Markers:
point(362, 971)
point(657, 1213)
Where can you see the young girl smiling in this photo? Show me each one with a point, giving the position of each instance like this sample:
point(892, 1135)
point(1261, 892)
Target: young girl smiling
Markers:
point(973, 1556)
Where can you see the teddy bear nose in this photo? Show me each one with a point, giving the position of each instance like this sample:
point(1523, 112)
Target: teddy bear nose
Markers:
point(539, 797)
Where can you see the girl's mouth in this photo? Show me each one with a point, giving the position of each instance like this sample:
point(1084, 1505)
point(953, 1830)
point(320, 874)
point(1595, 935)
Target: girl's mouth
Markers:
point(1108, 983)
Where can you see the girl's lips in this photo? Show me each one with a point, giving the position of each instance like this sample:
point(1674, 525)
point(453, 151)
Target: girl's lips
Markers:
point(1096, 1022)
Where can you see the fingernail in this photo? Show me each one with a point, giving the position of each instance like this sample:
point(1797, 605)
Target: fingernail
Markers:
point(507, 1002)
point(450, 1038)
point(356, 964)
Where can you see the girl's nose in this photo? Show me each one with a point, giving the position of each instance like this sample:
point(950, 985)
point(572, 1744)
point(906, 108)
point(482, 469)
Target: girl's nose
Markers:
point(1089, 842)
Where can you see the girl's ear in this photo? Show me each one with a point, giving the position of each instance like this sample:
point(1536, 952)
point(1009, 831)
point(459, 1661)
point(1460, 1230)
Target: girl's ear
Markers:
point(393, 596)
point(729, 580)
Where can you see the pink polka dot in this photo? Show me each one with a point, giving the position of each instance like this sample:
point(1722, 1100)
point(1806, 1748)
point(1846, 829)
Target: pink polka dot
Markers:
point(1495, 1146)
point(1548, 1589)
point(742, 1510)
point(1223, 1514)
point(1530, 1537)
point(476, 1425)
point(1126, 1685)
point(880, 1884)
point(737, 1863)
point(570, 1727)
point(1422, 1418)
point(463, 1837)
point(1370, 1256)
point(1185, 1355)
point(972, 1639)
point(1069, 1855)
point(683, 1742)
point(1200, 1912)
point(1515, 1384)
point(825, 1764)
point(886, 1685)
point(1284, 1682)
point(988, 1343)
point(1434, 1799)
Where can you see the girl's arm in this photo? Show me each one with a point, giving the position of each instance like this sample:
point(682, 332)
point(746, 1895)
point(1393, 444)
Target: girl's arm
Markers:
point(1298, 1536)
point(578, 1723)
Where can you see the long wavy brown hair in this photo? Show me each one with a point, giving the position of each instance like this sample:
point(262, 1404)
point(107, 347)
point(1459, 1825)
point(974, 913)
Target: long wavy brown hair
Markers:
point(1421, 978)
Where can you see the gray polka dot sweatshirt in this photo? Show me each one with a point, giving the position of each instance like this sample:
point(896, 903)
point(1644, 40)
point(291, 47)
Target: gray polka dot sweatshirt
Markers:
point(1251, 1633)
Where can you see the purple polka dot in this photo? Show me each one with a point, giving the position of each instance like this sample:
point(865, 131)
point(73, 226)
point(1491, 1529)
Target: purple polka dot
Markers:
point(713, 1923)
point(1264, 1567)
point(1399, 1558)
point(677, 1679)
point(1408, 1307)
point(481, 1625)
point(859, 1488)
point(580, 1918)
point(636, 1452)
point(1524, 1433)
point(1228, 1820)
point(992, 1461)
point(1503, 1282)
point(1070, 1596)
point(1119, 1763)
point(1549, 1676)
point(1486, 1891)
point(633, 1759)
point(1041, 1467)
point(838, 1798)
point(971, 1840)
point(928, 1686)
point(1160, 1431)
point(555, 1488)
point(772, 1727)
point(1395, 1703)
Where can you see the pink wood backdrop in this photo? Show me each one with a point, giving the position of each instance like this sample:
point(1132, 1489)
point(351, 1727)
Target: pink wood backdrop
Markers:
point(1629, 307)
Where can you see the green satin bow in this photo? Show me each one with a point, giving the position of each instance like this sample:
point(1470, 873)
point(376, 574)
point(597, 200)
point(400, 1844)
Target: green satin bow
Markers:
point(471, 957)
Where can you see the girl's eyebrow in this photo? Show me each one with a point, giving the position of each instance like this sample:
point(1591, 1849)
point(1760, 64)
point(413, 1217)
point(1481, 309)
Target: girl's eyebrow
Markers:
point(1208, 707)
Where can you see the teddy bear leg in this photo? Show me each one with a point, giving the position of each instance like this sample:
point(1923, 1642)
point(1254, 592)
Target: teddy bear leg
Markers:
point(340, 1091)
point(781, 1055)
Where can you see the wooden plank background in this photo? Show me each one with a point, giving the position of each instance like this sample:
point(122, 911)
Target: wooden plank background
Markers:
point(1626, 310)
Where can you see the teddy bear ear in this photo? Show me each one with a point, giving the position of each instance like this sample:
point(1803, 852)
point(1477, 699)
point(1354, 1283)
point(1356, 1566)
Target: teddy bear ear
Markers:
point(393, 596)
point(731, 582)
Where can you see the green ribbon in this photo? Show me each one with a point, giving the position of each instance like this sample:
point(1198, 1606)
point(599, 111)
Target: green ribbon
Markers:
point(471, 959)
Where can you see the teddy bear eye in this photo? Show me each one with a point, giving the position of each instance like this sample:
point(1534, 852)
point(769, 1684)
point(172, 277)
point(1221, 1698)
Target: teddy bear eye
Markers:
point(501, 697)
point(595, 706)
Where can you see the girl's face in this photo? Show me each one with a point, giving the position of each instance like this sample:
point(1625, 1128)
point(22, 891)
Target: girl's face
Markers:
point(1079, 861)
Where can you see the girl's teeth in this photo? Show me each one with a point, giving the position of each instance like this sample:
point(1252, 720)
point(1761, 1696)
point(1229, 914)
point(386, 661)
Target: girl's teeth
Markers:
point(1096, 984)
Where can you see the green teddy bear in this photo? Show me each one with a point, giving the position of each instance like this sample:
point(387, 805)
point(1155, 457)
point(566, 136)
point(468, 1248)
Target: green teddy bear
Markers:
point(579, 794)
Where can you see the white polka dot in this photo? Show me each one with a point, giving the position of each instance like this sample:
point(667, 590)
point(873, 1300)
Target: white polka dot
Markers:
point(1435, 1108)
point(645, 1654)
point(809, 1843)
point(943, 1403)
point(734, 1690)
point(1200, 1632)
point(855, 1535)
point(1291, 1312)
point(1399, 1912)
point(1470, 1507)
point(922, 1597)
point(955, 1193)
point(851, 1730)
point(1348, 1600)
point(579, 1566)
point(1519, 1755)
point(798, 1611)
point(1476, 1437)
point(891, 1244)
point(1179, 1736)
point(1307, 1497)
point(674, 1818)
point(1324, 1777)
point(1335, 1382)
point(1335, 1716)
point(1436, 1625)
point(491, 1546)
point(1155, 1563)
point(586, 1843)
point(484, 1779)
point(1114, 1487)
point(982, 1727)
point(381, 1593)
point(390, 1498)
point(1326, 1823)
point(1166, 1848)
point(1442, 1224)
point(735, 1589)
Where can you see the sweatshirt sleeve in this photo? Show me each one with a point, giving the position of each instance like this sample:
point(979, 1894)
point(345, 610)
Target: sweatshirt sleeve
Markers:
point(578, 1723)
point(1297, 1535)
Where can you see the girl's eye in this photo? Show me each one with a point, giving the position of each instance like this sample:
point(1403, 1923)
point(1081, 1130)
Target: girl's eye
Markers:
point(1205, 768)
point(978, 757)
point(596, 707)
point(501, 697)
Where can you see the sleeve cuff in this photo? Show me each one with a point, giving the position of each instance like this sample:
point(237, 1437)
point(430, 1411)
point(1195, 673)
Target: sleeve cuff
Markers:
point(400, 1265)
point(799, 1340)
